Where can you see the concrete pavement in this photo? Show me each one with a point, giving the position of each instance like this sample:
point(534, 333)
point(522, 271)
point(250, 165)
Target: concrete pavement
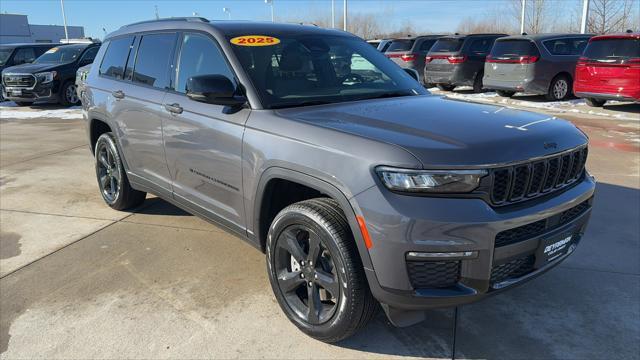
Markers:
point(79, 280)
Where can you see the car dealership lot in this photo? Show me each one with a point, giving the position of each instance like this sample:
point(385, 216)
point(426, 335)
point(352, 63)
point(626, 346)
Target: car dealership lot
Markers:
point(79, 280)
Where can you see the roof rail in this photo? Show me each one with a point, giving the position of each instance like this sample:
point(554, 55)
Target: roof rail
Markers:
point(188, 18)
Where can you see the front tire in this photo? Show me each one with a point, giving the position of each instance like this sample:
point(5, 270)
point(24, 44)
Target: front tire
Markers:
point(595, 102)
point(112, 178)
point(315, 271)
point(69, 94)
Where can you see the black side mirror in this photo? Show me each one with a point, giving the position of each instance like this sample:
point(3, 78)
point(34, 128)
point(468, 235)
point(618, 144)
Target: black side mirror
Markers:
point(213, 89)
point(413, 73)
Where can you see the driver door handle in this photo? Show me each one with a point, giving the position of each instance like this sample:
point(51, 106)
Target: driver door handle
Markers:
point(174, 108)
point(118, 94)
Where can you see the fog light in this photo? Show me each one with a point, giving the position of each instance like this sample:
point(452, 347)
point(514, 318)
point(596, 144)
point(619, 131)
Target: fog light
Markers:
point(414, 255)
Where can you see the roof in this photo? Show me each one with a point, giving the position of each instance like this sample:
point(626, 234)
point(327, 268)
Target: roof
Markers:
point(15, 45)
point(226, 27)
point(540, 37)
point(419, 37)
point(462, 36)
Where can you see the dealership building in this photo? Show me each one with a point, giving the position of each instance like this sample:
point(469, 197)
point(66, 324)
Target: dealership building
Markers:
point(15, 28)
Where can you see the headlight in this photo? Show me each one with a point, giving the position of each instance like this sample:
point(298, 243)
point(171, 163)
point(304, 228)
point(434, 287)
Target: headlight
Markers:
point(430, 181)
point(46, 77)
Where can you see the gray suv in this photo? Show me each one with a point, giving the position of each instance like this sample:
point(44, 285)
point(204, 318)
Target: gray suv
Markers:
point(360, 187)
point(537, 64)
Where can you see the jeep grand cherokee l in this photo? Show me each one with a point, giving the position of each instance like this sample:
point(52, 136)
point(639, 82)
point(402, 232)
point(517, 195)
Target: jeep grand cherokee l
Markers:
point(361, 188)
point(50, 78)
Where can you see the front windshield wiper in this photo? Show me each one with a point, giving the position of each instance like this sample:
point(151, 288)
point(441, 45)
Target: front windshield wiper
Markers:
point(283, 105)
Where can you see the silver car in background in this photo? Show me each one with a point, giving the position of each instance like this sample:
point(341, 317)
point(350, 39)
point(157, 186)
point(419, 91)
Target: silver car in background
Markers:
point(541, 64)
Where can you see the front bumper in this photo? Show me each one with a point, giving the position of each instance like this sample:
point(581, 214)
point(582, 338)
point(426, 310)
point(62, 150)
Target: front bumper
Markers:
point(399, 224)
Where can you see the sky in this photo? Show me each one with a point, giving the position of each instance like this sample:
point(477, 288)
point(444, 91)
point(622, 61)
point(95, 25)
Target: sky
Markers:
point(94, 15)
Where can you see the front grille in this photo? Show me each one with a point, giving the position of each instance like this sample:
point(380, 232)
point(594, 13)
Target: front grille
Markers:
point(433, 274)
point(512, 269)
point(540, 227)
point(17, 80)
point(525, 181)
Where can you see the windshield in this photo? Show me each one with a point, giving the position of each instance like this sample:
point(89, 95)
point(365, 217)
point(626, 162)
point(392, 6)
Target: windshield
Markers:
point(401, 45)
point(60, 55)
point(613, 49)
point(4, 55)
point(447, 45)
point(317, 69)
point(513, 49)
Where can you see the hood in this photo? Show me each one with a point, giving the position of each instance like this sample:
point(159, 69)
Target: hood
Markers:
point(31, 68)
point(442, 132)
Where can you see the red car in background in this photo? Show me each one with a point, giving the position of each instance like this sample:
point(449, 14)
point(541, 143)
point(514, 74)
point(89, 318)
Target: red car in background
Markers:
point(609, 69)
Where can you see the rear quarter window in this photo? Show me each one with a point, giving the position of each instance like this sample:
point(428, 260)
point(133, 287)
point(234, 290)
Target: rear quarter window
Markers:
point(566, 46)
point(115, 57)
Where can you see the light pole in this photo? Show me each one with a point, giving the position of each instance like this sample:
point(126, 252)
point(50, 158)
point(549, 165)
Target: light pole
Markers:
point(344, 25)
point(270, 3)
point(333, 14)
point(585, 16)
point(524, 4)
point(64, 19)
point(228, 11)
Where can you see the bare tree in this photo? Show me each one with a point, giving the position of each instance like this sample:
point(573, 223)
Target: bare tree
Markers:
point(538, 15)
point(606, 16)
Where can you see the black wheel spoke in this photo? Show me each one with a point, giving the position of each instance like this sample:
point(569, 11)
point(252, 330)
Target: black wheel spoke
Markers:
point(328, 282)
point(292, 245)
point(314, 248)
point(289, 281)
point(314, 304)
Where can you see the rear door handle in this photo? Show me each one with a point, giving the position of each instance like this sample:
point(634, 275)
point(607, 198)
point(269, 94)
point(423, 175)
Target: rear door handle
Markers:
point(174, 108)
point(118, 94)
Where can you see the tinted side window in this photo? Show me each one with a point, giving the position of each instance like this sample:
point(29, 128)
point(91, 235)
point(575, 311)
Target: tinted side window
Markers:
point(115, 57)
point(199, 56)
point(569, 46)
point(480, 46)
point(153, 60)
point(426, 45)
point(90, 54)
point(24, 55)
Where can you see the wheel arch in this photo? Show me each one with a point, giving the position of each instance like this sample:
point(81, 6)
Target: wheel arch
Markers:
point(261, 213)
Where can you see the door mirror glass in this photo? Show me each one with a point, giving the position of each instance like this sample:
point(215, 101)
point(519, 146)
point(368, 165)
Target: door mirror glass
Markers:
point(213, 89)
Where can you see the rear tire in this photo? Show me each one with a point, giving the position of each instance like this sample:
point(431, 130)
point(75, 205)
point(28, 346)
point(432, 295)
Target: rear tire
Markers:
point(445, 87)
point(595, 102)
point(112, 178)
point(505, 93)
point(560, 88)
point(315, 271)
point(23, 103)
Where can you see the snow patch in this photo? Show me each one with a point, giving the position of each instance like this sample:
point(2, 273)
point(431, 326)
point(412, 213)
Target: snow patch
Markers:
point(9, 110)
